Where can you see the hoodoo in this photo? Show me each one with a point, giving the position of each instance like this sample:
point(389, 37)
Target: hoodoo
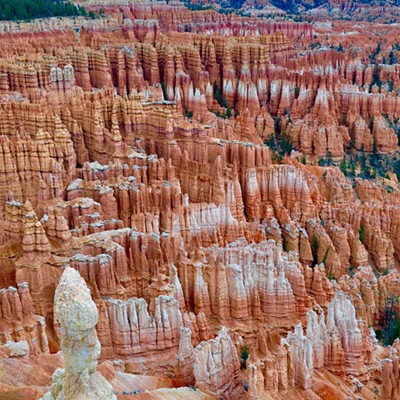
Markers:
point(199, 200)
point(77, 315)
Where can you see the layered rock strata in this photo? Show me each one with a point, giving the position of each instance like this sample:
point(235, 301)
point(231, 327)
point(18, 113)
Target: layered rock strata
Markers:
point(142, 150)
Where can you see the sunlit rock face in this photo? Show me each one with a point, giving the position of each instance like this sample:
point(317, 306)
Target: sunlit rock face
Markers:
point(199, 205)
point(77, 315)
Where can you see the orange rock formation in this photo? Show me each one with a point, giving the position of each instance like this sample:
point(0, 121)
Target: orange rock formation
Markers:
point(140, 149)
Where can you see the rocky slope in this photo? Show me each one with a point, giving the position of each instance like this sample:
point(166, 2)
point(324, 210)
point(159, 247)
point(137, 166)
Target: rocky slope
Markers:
point(387, 11)
point(226, 187)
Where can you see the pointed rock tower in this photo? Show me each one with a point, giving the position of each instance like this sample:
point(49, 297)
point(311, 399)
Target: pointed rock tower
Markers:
point(77, 314)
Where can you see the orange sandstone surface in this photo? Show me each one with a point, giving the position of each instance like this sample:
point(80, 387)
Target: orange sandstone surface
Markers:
point(139, 149)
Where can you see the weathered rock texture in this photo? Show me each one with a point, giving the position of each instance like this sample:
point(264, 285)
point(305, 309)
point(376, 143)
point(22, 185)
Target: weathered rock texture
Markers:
point(145, 150)
point(77, 315)
point(212, 366)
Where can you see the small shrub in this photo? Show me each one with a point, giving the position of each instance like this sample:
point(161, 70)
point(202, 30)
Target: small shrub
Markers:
point(271, 142)
point(285, 144)
point(331, 276)
point(351, 271)
point(244, 355)
point(391, 321)
point(164, 89)
point(343, 166)
point(361, 233)
point(314, 249)
point(325, 256)
point(378, 334)
point(392, 57)
point(397, 169)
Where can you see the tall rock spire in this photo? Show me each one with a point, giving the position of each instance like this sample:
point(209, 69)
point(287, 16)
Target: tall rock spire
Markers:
point(77, 314)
